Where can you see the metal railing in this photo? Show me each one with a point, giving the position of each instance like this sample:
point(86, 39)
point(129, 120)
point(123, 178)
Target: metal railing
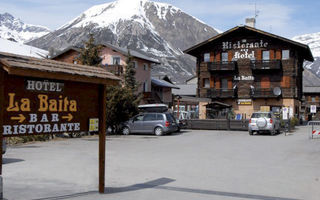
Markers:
point(314, 129)
point(265, 64)
point(115, 69)
point(221, 93)
point(222, 66)
point(262, 93)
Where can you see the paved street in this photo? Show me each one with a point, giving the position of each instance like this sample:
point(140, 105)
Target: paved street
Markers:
point(191, 165)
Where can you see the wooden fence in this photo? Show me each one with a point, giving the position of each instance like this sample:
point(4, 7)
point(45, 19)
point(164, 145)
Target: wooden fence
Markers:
point(217, 124)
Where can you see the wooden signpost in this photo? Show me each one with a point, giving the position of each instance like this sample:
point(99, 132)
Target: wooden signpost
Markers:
point(48, 97)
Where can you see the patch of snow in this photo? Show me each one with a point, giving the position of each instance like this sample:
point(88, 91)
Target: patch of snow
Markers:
point(21, 49)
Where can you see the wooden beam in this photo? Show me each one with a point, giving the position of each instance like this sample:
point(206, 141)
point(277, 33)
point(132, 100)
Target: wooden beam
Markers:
point(1, 114)
point(102, 137)
point(61, 76)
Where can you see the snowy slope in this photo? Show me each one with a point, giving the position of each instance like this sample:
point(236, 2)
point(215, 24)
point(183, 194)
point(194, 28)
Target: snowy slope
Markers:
point(158, 30)
point(13, 28)
point(21, 49)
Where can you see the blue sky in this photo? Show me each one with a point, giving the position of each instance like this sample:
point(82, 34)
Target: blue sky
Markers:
point(283, 17)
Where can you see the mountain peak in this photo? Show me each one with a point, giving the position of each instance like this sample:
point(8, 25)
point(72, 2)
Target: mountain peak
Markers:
point(14, 28)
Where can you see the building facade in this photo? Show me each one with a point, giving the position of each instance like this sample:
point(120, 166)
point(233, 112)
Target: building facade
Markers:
point(114, 60)
point(245, 70)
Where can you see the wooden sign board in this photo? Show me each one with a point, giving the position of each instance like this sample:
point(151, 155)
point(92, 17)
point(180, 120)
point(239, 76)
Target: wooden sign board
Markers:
point(42, 106)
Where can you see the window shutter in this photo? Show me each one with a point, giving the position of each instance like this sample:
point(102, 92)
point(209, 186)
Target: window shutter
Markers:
point(212, 82)
point(212, 57)
point(217, 81)
point(285, 82)
point(278, 54)
point(259, 55)
point(271, 54)
point(230, 56)
point(218, 57)
point(230, 83)
point(265, 82)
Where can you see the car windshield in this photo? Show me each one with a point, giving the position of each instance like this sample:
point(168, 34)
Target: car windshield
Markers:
point(258, 115)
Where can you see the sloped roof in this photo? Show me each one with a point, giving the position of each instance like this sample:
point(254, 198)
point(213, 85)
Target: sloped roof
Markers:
point(133, 53)
point(311, 82)
point(66, 50)
point(186, 89)
point(303, 47)
point(45, 68)
point(163, 83)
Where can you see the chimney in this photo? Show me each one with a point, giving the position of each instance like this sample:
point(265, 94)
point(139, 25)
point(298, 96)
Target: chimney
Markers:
point(251, 22)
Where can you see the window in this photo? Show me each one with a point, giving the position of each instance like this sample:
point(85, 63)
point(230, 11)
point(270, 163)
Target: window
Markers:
point(206, 83)
point(285, 54)
point(138, 118)
point(135, 64)
point(145, 66)
point(116, 60)
point(313, 99)
point(224, 56)
point(150, 117)
point(160, 117)
point(224, 84)
point(265, 55)
point(206, 57)
point(145, 86)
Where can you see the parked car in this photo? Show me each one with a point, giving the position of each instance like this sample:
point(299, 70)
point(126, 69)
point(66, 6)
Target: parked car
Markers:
point(264, 122)
point(154, 123)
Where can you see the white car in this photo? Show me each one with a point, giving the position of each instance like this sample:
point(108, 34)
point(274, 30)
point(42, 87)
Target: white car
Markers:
point(264, 122)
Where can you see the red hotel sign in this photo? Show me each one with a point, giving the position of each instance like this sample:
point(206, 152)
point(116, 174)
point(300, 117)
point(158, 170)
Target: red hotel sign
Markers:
point(40, 106)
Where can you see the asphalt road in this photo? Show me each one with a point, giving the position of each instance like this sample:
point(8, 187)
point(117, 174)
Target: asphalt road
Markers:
point(192, 165)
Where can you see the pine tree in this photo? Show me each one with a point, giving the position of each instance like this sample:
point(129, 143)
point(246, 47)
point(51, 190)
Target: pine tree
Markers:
point(89, 55)
point(129, 77)
point(122, 104)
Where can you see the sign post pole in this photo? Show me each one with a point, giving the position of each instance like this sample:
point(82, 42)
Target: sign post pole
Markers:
point(102, 137)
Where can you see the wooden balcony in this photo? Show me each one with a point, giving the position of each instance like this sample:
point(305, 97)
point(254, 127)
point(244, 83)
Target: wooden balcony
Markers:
point(265, 65)
point(221, 93)
point(221, 66)
point(115, 69)
point(263, 93)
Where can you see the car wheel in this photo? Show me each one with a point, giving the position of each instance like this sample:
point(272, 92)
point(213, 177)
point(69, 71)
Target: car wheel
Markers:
point(273, 132)
point(158, 131)
point(125, 131)
point(250, 132)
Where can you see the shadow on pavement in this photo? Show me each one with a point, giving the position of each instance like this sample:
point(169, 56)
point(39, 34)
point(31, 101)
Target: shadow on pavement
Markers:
point(159, 185)
point(11, 160)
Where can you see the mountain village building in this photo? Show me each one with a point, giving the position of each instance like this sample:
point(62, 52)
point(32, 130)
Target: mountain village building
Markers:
point(114, 60)
point(245, 70)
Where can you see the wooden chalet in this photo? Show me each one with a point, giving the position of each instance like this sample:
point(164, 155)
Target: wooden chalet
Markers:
point(250, 70)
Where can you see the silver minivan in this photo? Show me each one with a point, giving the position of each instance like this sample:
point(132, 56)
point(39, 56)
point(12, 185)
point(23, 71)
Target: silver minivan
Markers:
point(154, 123)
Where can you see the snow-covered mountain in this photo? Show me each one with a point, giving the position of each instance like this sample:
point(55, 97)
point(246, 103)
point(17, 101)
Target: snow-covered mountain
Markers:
point(313, 40)
point(21, 49)
point(159, 30)
point(13, 28)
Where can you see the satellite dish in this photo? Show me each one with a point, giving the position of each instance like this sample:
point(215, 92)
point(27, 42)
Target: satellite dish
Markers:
point(277, 91)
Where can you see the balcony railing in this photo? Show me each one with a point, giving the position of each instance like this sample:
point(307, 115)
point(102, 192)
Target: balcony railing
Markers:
point(115, 69)
point(221, 93)
point(265, 64)
point(222, 66)
point(263, 93)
